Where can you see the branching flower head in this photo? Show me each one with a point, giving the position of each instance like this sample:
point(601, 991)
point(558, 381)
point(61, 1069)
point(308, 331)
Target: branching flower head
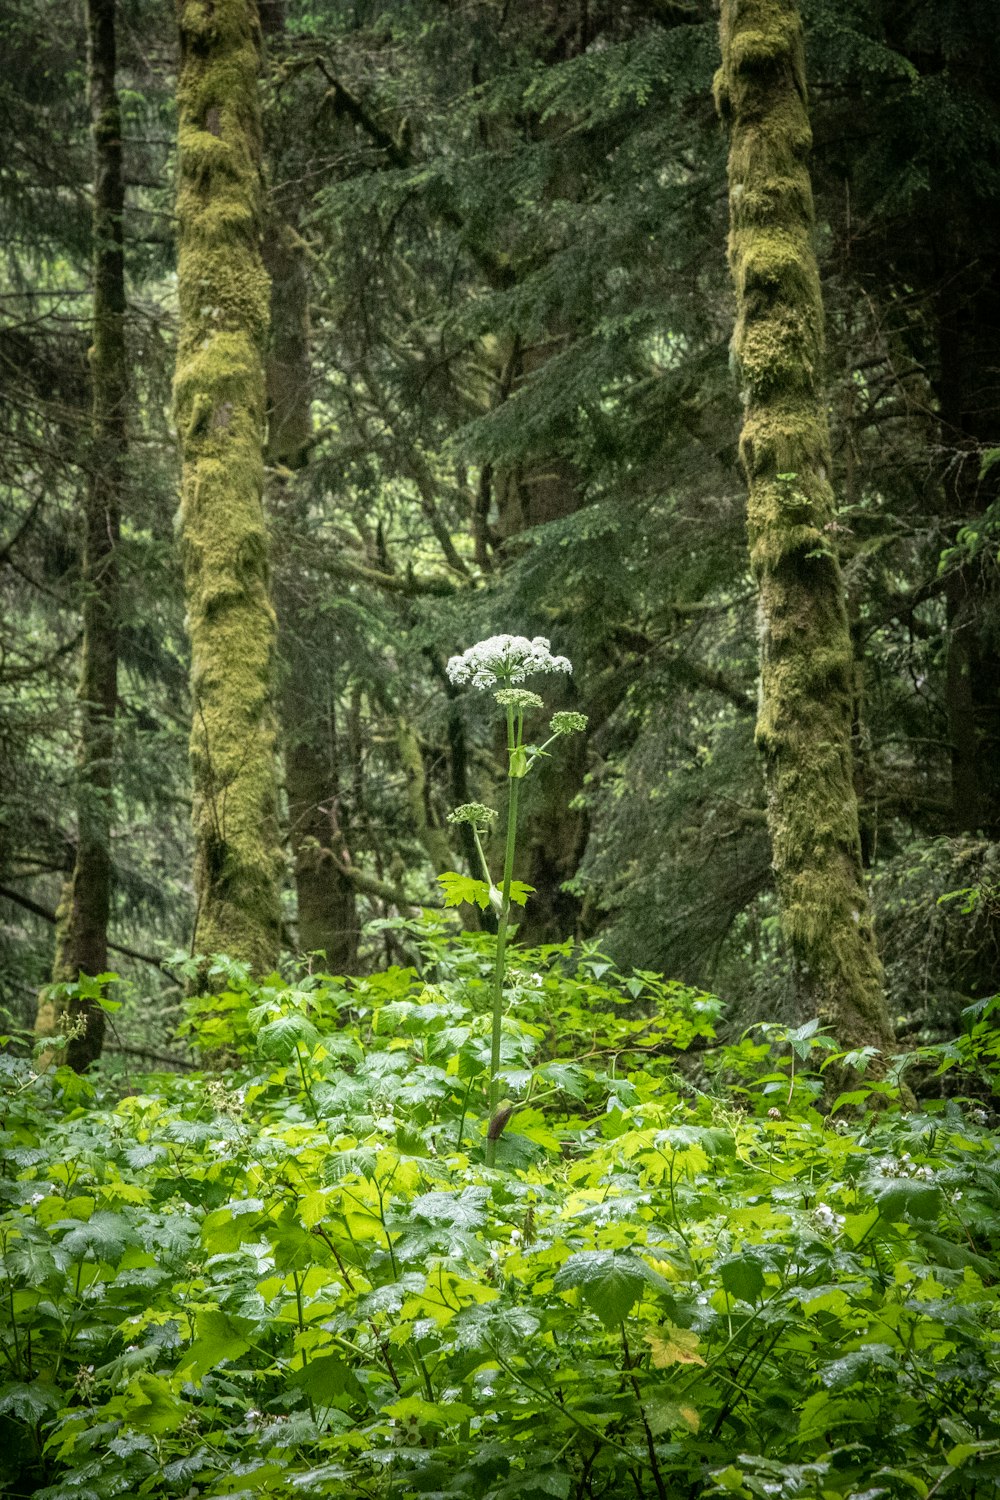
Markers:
point(518, 699)
point(567, 722)
point(505, 661)
point(475, 813)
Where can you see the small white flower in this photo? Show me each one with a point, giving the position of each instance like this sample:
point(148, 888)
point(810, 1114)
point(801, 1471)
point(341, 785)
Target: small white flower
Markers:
point(925, 1174)
point(825, 1218)
point(515, 1236)
point(37, 1198)
point(505, 661)
point(978, 1116)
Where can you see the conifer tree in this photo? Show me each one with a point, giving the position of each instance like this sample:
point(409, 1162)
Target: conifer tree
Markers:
point(219, 396)
point(82, 930)
point(804, 719)
point(326, 909)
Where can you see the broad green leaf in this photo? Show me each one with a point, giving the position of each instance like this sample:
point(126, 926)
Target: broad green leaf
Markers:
point(610, 1281)
point(282, 1037)
point(104, 1236)
point(519, 892)
point(464, 1210)
point(905, 1195)
point(742, 1277)
point(149, 1404)
point(31, 1402)
point(218, 1336)
point(459, 888)
point(326, 1378)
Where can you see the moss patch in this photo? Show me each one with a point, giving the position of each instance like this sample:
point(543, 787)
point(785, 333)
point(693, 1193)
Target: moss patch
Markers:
point(219, 407)
point(805, 719)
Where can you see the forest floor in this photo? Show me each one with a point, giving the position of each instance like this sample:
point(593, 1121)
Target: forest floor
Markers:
point(688, 1274)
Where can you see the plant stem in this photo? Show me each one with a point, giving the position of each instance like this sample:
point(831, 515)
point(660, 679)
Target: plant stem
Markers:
point(513, 789)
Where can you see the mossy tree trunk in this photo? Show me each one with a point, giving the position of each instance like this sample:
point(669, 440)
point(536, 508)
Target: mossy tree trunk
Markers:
point(327, 919)
point(219, 397)
point(804, 721)
point(82, 928)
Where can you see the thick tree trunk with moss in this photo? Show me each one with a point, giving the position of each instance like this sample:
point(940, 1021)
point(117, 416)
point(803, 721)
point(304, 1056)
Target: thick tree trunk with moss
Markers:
point(804, 722)
point(327, 918)
point(219, 396)
point(82, 927)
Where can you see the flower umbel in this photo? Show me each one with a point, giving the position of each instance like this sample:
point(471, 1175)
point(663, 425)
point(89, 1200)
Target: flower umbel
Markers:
point(567, 722)
point(505, 661)
point(518, 699)
point(476, 813)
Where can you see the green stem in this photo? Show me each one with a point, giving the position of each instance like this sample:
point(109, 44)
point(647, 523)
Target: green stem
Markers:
point(306, 1087)
point(482, 857)
point(513, 788)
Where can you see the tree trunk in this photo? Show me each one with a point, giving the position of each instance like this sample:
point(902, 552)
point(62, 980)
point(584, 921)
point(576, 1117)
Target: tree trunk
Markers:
point(968, 391)
point(82, 926)
point(219, 396)
point(804, 721)
point(327, 909)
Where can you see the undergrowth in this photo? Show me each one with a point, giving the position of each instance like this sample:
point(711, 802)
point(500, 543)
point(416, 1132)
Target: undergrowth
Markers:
point(684, 1277)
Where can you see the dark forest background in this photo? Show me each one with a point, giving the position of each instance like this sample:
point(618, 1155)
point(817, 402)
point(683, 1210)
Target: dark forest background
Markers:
point(501, 400)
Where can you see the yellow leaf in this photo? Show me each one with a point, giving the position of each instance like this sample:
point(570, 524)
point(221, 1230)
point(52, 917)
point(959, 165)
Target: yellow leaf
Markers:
point(663, 1415)
point(674, 1346)
point(690, 1416)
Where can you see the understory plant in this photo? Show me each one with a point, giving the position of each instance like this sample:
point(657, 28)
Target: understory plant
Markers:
point(502, 664)
point(298, 1277)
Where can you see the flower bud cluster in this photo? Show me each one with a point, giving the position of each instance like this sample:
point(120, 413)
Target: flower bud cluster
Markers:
point(475, 813)
point(518, 699)
point(505, 661)
point(566, 722)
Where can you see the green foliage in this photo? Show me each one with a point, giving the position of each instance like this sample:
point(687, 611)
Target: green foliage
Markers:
point(299, 1277)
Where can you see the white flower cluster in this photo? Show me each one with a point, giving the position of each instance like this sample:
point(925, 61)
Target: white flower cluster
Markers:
point(825, 1218)
point(890, 1167)
point(505, 660)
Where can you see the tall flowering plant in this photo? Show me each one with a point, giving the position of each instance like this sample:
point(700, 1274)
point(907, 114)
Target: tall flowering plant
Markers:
point(502, 664)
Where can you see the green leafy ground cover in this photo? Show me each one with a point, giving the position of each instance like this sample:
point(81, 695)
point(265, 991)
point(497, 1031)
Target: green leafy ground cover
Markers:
point(683, 1278)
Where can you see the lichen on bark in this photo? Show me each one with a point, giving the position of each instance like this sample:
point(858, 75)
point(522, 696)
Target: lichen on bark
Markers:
point(219, 407)
point(805, 716)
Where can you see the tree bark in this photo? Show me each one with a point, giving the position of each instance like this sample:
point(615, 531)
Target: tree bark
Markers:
point(966, 383)
point(82, 919)
point(219, 401)
point(804, 720)
point(327, 908)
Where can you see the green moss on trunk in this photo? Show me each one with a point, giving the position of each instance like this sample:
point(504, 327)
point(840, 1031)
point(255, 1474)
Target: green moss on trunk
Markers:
point(82, 928)
point(804, 723)
point(219, 403)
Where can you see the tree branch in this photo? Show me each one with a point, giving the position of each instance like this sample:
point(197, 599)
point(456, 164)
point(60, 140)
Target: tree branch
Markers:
point(48, 915)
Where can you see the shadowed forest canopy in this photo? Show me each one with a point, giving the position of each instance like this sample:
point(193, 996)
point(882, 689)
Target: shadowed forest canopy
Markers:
point(501, 396)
